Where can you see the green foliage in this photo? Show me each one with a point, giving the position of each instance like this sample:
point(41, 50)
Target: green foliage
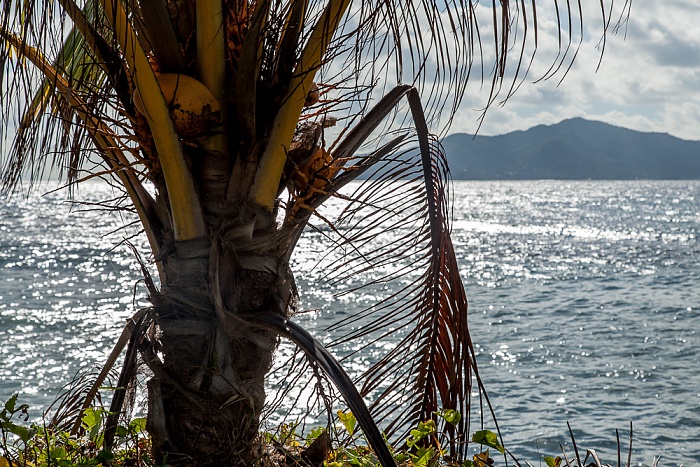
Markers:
point(424, 430)
point(552, 461)
point(450, 416)
point(10, 414)
point(32, 445)
point(92, 423)
point(348, 420)
point(419, 449)
point(488, 438)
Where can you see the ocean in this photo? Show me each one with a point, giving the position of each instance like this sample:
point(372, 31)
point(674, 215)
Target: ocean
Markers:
point(584, 305)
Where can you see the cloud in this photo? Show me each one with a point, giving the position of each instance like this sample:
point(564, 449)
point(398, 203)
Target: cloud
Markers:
point(649, 78)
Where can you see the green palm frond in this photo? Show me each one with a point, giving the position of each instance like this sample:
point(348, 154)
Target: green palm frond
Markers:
point(81, 70)
point(97, 44)
point(85, 70)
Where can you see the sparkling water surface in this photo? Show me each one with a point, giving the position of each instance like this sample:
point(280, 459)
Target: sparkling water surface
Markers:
point(584, 302)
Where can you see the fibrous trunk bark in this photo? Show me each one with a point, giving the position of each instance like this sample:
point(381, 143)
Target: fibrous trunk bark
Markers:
point(207, 390)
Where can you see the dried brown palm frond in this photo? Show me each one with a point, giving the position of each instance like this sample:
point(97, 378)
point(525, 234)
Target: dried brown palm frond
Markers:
point(391, 232)
point(69, 405)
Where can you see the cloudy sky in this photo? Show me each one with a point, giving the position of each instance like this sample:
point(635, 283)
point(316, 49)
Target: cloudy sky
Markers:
point(649, 79)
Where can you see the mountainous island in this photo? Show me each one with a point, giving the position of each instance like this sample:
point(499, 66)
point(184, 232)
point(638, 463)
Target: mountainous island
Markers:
point(575, 149)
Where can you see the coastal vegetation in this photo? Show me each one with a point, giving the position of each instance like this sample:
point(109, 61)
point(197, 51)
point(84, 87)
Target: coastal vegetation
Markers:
point(32, 445)
point(226, 127)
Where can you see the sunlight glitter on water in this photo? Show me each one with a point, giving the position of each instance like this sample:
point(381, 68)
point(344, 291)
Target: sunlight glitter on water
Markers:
point(63, 290)
point(585, 287)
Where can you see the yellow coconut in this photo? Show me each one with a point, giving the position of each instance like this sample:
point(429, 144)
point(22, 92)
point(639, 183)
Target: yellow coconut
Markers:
point(193, 108)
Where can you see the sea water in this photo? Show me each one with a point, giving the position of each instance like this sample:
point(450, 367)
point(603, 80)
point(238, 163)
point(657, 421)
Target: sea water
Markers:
point(584, 305)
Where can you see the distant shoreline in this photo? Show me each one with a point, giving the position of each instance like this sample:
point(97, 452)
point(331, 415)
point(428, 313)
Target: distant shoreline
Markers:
point(573, 149)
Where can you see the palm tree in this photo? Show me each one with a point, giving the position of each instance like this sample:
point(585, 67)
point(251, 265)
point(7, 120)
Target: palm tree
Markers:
point(246, 116)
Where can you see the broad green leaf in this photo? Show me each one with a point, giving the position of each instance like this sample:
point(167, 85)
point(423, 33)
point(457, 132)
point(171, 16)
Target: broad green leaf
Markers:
point(488, 438)
point(10, 404)
point(424, 429)
point(24, 433)
point(348, 420)
point(422, 457)
point(137, 425)
point(552, 461)
point(92, 419)
point(58, 453)
point(450, 416)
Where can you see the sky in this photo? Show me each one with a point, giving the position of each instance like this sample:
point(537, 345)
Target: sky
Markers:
point(649, 78)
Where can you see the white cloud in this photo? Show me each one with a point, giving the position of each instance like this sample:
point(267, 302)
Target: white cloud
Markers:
point(648, 80)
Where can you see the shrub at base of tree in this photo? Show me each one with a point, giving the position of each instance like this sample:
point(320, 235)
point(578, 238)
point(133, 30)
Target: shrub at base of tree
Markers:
point(41, 445)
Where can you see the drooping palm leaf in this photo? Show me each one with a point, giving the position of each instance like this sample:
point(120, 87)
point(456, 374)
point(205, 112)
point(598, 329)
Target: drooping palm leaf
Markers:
point(318, 354)
point(84, 68)
point(83, 74)
point(432, 361)
point(69, 405)
point(398, 234)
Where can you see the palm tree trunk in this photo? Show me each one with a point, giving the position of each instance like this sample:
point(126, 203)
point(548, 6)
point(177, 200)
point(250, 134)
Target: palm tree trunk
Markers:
point(207, 390)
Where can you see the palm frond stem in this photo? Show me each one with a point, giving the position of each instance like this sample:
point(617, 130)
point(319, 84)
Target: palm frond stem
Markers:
point(246, 82)
point(271, 165)
point(188, 221)
point(211, 60)
point(108, 365)
point(325, 360)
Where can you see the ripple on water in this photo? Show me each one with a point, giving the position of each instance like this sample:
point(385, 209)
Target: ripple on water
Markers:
point(584, 303)
point(62, 290)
